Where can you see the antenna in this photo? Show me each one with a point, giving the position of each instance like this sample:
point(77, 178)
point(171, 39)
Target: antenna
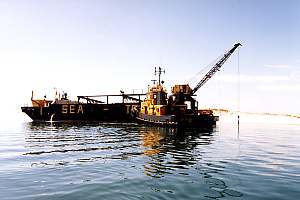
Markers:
point(159, 71)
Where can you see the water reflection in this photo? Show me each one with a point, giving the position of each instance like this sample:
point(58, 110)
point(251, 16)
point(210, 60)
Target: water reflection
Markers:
point(171, 149)
point(167, 148)
point(134, 149)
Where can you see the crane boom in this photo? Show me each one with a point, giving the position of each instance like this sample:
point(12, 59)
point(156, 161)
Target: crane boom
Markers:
point(215, 68)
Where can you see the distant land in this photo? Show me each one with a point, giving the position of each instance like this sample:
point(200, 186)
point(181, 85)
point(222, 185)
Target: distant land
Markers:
point(257, 113)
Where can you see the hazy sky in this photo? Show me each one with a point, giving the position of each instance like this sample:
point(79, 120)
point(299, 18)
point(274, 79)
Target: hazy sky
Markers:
point(93, 47)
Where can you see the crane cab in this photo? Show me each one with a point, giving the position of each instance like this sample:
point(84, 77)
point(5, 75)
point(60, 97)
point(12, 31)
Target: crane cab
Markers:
point(184, 89)
point(182, 100)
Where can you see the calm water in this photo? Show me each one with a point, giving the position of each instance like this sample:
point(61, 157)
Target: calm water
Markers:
point(117, 161)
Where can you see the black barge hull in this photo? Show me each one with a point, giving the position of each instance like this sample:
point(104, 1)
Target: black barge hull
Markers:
point(118, 112)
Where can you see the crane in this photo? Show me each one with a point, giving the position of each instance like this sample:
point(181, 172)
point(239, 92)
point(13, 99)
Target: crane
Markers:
point(214, 69)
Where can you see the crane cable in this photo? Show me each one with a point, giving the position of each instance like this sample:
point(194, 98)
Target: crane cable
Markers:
point(195, 78)
point(238, 90)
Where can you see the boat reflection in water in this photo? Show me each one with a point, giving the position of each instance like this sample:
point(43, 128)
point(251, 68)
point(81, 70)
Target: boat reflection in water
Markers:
point(131, 154)
point(170, 149)
point(163, 149)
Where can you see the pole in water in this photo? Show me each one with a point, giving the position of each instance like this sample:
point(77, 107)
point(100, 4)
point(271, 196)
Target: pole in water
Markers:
point(238, 124)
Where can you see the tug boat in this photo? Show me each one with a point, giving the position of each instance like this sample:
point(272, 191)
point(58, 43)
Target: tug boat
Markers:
point(180, 108)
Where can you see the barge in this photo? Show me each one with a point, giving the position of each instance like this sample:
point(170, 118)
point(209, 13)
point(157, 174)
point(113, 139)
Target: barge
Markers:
point(85, 108)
